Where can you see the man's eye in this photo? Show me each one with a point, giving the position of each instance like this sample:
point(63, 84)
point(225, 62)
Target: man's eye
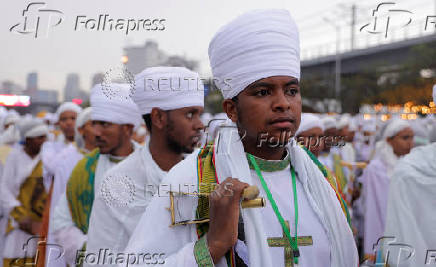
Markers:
point(292, 91)
point(189, 115)
point(262, 92)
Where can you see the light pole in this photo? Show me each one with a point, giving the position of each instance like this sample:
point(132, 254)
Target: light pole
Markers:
point(337, 63)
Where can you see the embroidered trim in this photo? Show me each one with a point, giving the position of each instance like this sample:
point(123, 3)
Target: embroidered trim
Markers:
point(202, 254)
point(270, 165)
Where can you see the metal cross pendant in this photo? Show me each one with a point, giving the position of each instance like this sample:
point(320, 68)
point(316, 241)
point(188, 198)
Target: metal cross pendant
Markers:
point(289, 252)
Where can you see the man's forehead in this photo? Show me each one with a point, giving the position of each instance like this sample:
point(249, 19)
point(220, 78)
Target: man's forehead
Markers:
point(275, 80)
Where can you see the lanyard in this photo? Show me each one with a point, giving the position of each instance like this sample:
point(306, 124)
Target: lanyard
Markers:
point(293, 242)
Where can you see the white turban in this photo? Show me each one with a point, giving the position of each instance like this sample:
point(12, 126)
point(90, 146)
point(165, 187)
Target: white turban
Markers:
point(32, 127)
point(309, 121)
point(394, 127)
point(11, 118)
point(329, 122)
point(255, 45)
point(345, 120)
point(81, 120)
point(167, 88)
point(369, 126)
point(83, 117)
point(67, 106)
point(112, 103)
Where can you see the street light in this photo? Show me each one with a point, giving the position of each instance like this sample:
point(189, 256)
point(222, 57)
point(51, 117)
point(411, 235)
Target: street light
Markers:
point(337, 63)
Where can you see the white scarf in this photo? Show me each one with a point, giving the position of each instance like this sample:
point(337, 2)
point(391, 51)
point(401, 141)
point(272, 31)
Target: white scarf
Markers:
point(230, 161)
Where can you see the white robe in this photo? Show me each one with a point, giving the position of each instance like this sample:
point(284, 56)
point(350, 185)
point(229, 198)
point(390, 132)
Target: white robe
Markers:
point(65, 163)
point(336, 246)
point(62, 228)
point(375, 182)
point(17, 168)
point(410, 212)
point(112, 224)
point(50, 152)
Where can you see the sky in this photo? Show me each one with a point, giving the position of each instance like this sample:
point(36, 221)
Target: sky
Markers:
point(189, 26)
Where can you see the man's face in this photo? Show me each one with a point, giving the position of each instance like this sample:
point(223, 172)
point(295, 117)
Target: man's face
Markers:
point(184, 128)
point(312, 140)
point(329, 140)
point(268, 108)
point(33, 144)
point(67, 120)
point(402, 142)
point(109, 137)
point(87, 131)
point(345, 132)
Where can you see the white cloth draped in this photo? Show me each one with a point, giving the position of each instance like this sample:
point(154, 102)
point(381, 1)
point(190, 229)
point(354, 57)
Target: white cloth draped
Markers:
point(410, 211)
point(17, 168)
point(66, 162)
point(153, 234)
point(255, 45)
point(123, 214)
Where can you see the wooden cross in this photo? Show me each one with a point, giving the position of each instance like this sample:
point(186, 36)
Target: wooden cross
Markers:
point(284, 242)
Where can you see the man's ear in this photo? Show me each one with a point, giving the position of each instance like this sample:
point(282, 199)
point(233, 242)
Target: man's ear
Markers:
point(159, 118)
point(229, 107)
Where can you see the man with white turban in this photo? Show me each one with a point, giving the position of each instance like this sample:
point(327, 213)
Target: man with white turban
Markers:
point(310, 132)
point(330, 134)
point(255, 61)
point(84, 143)
point(172, 115)
point(397, 142)
point(410, 208)
point(365, 147)
point(113, 115)
point(66, 117)
point(22, 193)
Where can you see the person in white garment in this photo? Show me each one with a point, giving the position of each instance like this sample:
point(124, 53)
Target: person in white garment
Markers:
point(257, 70)
point(410, 216)
point(330, 133)
point(22, 193)
point(397, 141)
point(365, 147)
point(173, 120)
point(113, 116)
point(84, 143)
point(310, 133)
point(65, 118)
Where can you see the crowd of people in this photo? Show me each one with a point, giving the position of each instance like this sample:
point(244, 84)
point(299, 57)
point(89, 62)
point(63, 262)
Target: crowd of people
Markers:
point(146, 177)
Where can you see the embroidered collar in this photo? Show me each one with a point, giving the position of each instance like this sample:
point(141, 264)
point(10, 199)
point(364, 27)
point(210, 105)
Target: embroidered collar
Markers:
point(270, 165)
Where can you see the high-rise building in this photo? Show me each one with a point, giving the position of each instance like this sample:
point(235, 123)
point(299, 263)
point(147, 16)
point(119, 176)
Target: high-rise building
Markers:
point(97, 78)
point(72, 87)
point(32, 83)
point(138, 58)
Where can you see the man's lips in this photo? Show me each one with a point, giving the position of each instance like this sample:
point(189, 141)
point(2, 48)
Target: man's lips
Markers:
point(282, 123)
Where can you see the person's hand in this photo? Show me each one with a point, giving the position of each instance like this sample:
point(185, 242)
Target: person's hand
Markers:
point(224, 204)
point(29, 226)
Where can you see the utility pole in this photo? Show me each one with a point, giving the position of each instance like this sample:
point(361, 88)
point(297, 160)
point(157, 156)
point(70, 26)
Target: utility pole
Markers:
point(337, 61)
point(353, 24)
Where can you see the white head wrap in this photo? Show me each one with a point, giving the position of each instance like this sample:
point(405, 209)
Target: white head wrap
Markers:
point(369, 126)
point(394, 127)
point(255, 45)
point(32, 127)
point(345, 120)
point(309, 121)
point(81, 120)
point(112, 103)
point(67, 106)
point(329, 122)
point(11, 118)
point(167, 88)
